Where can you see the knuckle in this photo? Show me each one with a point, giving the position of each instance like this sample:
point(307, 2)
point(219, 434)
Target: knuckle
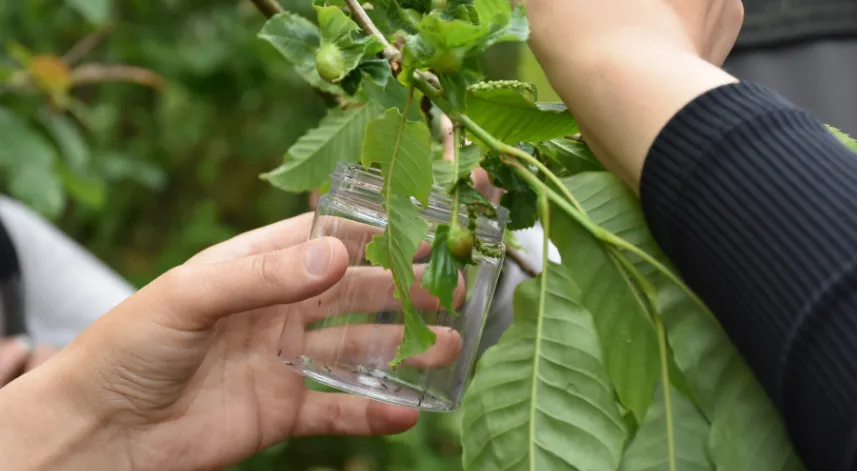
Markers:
point(268, 268)
point(177, 279)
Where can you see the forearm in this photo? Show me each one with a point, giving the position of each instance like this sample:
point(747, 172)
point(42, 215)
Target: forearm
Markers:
point(623, 95)
point(43, 430)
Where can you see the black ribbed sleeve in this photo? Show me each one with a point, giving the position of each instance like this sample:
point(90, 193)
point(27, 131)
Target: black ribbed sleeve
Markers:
point(756, 204)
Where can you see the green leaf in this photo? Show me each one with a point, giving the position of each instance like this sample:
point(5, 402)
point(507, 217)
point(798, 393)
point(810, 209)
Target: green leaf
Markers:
point(570, 156)
point(391, 95)
point(621, 316)
point(29, 160)
point(90, 191)
point(337, 28)
point(440, 277)
point(519, 198)
point(96, 12)
point(390, 17)
point(338, 138)
point(541, 399)
point(402, 150)
point(68, 139)
point(849, 142)
point(747, 433)
point(508, 110)
point(493, 11)
point(297, 39)
point(469, 158)
point(648, 450)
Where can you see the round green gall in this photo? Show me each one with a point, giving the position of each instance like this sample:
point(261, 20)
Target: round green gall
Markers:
point(460, 243)
point(447, 62)
point(330, 62)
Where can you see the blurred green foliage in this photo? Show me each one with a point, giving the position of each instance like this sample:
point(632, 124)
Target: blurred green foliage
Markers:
point(144, 169)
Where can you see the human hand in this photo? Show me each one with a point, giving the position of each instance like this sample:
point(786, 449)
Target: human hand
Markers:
point(17, 356)
point(184, 374)
point(625, 67)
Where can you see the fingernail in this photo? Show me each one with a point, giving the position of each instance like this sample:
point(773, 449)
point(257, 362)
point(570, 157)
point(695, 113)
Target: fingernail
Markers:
point(317, 257)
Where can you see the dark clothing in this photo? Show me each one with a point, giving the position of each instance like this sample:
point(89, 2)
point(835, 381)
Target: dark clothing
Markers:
point(11, 311)
point(776, 22)
point(756, 204)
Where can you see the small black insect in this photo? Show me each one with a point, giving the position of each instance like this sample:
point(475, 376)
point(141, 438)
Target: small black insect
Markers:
point(290, 363)
point(384, 386)
point(327, 368)
point(279, 352)
point(398, 389)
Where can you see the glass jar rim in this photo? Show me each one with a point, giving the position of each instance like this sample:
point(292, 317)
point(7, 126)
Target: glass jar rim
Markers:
point(373, 178)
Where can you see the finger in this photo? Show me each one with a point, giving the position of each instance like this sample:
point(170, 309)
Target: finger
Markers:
point(346, 414)
point(195, 296)
point(355, 236)
point(42, 354)
point(13, 356)
point(277, 236)
point(370, 289)
point(358, 344)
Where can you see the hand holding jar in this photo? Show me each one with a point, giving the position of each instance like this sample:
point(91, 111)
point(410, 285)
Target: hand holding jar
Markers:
point(185, 375)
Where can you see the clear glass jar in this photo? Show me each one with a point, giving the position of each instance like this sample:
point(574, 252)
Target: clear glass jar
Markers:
point(345, 337)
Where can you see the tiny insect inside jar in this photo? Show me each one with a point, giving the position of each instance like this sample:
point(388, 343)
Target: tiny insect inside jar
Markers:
point(347, 336)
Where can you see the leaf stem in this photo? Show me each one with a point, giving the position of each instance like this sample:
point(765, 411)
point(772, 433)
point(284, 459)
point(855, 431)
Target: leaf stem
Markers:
point(544, 215)
point(456, 142)
point(666, 386)
point(268, 8)
point(650, 293)
point(606, 236)
point(390, 51)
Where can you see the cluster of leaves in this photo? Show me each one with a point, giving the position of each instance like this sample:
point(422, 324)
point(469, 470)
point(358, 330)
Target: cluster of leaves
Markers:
point(612, 362)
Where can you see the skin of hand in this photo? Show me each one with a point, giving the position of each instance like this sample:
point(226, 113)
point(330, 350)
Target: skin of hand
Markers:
point(625, 67)
point(184, 375)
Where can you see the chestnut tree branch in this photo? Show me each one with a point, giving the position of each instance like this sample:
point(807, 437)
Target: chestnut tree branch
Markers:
point(89, 42)
point(390, 51)
point(268, 8)
point(100, 73)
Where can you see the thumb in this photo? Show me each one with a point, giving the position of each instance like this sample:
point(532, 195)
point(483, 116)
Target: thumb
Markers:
point(194, 297)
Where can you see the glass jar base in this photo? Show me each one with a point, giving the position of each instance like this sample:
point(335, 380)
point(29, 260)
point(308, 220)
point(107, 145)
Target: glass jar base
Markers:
point(372, 383)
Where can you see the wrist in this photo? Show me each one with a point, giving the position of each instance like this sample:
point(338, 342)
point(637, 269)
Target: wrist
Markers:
point(47, 426)
point(624, 93)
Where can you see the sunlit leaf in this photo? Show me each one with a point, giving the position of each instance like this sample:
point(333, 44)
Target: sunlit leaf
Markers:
point(508, 111)
point(402, 150)
point(297, 39)
point(621, 316)
point(310, 160)
point(648, 450)
point(541, 399)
